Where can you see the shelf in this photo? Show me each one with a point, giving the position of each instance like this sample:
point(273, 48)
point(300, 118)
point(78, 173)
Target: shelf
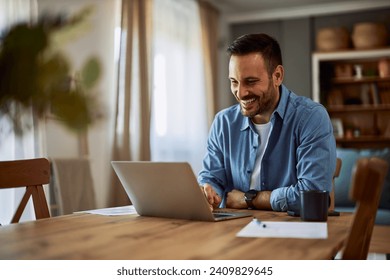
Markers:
point(364, 142)
point(358, 108)
point(351, 54)
point(360, 81)
point(365, 138)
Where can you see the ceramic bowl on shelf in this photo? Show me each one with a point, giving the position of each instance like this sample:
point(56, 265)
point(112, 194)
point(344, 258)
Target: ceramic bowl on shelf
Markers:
point(384, 67)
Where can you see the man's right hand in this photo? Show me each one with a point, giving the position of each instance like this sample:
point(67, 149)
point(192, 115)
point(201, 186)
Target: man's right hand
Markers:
point(211, 195)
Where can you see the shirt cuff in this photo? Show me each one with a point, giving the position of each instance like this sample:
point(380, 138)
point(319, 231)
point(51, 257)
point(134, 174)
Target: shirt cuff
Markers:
point(278, 199)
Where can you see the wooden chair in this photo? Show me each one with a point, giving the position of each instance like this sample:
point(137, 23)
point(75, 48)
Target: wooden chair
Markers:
point(367, 182)
point(31, 174)
point(331, 211)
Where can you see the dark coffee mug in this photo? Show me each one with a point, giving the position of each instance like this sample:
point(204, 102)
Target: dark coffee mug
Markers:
point(314, 205)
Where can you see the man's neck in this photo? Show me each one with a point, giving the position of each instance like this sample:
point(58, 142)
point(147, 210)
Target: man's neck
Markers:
point(261, 119)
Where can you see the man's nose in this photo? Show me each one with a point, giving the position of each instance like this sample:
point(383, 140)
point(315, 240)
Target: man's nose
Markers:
point(242, 92)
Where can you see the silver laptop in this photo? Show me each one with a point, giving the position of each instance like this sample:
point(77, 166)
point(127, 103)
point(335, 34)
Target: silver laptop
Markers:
point(167, 189)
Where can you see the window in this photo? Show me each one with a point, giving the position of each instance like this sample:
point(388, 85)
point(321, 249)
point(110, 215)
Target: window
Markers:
point(179, 118)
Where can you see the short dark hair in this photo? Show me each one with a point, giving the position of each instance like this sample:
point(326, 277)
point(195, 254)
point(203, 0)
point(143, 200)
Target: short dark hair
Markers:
point(261, 43)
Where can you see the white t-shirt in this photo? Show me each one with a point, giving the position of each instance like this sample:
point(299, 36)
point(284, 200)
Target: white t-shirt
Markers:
point(264, 131)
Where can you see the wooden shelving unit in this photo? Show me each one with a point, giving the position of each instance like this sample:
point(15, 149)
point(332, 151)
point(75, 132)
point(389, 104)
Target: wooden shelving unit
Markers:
point(358, 99)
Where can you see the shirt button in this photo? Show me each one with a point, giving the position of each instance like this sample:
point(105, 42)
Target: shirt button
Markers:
point(248, 171)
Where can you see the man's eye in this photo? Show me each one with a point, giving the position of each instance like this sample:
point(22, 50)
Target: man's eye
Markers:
point(251, 82)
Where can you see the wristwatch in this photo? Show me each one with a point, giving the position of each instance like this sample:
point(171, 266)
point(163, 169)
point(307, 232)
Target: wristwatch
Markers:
point(249, 196)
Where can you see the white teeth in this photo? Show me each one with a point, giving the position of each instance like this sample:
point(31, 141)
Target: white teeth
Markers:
point(246, 102)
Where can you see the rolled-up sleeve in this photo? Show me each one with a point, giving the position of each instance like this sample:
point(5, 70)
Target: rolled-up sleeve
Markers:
point(213, 171)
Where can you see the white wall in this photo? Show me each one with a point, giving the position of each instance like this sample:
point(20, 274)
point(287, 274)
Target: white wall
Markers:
point(99, 40)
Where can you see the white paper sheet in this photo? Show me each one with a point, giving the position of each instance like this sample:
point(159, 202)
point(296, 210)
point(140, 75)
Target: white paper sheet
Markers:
point(285, 230)
point(113, 211)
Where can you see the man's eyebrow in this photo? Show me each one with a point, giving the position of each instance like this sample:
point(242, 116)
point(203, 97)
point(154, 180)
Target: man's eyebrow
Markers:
point(252, 79)
point(246, 79)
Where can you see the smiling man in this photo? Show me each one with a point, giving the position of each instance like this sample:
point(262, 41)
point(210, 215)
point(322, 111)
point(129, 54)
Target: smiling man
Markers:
point(262, 151)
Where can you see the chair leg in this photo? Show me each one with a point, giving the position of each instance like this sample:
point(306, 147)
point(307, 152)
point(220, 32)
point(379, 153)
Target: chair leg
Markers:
point(40, 204)
point(22, 205)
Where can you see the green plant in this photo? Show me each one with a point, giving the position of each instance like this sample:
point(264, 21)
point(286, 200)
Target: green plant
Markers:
point(35, 76)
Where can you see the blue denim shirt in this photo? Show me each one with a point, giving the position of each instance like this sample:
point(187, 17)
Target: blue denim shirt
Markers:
point(300, 155)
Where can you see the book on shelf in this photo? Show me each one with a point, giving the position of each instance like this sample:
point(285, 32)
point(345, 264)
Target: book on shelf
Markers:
point(374, 94)
point(335, 98)
point(365, 94)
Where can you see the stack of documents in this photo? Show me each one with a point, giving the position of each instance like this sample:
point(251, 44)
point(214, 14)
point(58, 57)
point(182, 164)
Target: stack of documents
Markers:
point(113, 211)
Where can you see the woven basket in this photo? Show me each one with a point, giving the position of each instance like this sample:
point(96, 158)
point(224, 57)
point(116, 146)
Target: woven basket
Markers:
point(332, 39)
point(369, 35)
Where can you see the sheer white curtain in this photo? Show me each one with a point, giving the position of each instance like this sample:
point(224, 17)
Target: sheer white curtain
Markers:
point(11, 145)
point(179, 113)
point(132, 112)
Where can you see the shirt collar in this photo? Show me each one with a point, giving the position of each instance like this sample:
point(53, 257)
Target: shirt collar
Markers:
point(280, 109)
point(283, 101)
point(246, 123)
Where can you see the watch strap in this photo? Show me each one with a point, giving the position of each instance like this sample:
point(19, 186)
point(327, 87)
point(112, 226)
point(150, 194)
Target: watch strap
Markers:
point(249, 202)
point(249, 196)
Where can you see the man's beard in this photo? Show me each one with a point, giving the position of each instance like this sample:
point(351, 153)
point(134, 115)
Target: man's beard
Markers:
point(261, 106)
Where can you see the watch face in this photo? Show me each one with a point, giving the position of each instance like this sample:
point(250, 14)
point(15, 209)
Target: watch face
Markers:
point(251, 194)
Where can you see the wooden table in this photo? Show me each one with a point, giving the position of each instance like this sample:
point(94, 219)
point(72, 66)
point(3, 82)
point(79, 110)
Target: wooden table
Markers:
point(89, 236)
point(380, 240)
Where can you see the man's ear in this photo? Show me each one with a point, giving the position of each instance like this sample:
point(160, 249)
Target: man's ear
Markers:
point(278, 75)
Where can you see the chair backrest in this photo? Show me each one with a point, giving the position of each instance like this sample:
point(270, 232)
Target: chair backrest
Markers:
point(31, 174)
point(367, 182)
point(335, 175)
